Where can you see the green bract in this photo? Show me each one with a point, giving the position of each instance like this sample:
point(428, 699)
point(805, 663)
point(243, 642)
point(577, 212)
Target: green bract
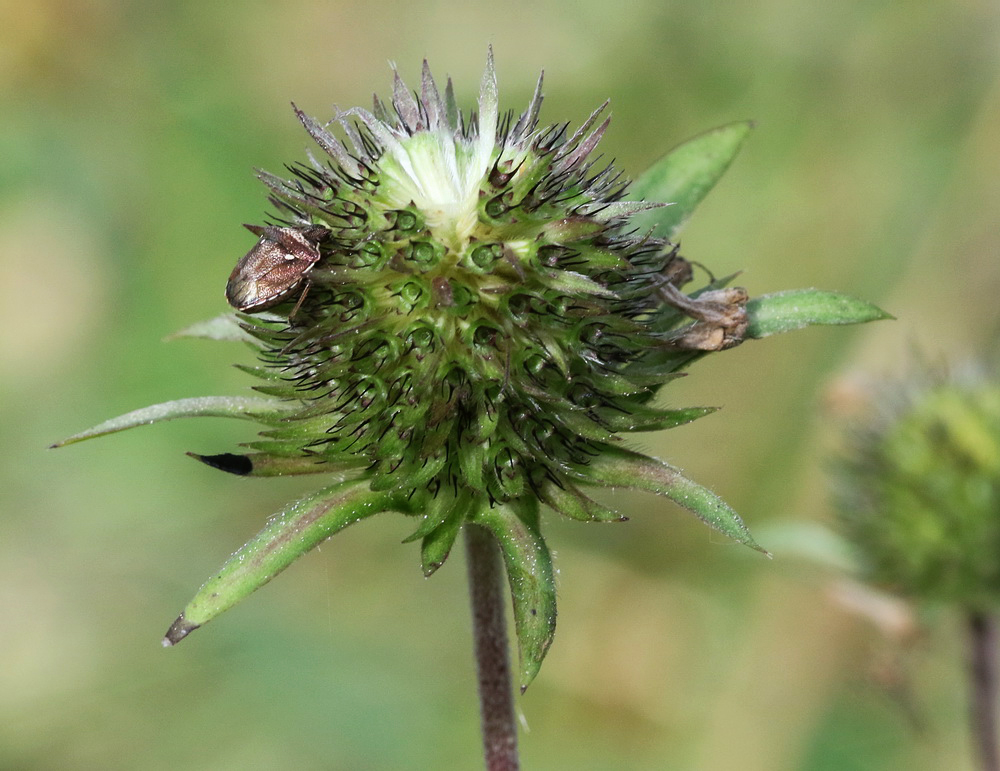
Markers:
point(486, 318)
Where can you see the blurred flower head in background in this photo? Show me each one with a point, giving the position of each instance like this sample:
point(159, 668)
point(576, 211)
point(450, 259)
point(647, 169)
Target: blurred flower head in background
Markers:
point(919, 488)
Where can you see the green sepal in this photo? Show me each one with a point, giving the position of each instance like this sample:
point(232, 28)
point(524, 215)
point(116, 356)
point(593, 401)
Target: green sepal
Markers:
point(435, 512)
point(772, 314)
point(651, 419)
point(437, 545)
point(512, 441)
point(529, 573)
point(604, 212)
point(669, 362)
point(614, 383)
point(263, 373)
point(281, 390)
point(470, 460)
point(652, 373)
point(617, 467)
point(586, 426)
point(285, 449)
point(294, 426)
point(597, 258)
point(244, 407)
point(684, 177)
point(571, 502)
point(410, 474)
point(286, 537)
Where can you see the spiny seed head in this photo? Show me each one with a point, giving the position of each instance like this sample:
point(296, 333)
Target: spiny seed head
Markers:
point(472, 309)
point(920, 491)
point(458, 316)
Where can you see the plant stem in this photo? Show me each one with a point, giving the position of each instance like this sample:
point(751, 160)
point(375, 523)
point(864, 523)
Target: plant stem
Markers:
point(983, 685)
point(489, 629)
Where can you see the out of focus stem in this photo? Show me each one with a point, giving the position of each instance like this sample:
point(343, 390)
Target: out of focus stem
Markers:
point(983, 685)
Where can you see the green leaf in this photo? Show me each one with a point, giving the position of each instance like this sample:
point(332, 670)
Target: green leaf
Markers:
point(286, 537)
point(771, 314)
point(684, 176)
point(529, 573)
point(243, 407)
point(623, 468)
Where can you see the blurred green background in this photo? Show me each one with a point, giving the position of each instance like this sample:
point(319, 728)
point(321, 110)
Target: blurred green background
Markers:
point(128, 134)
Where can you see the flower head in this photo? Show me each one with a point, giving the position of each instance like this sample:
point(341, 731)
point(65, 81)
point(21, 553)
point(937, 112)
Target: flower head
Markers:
point(479, 318)
point(920, 490)
point(458, 317)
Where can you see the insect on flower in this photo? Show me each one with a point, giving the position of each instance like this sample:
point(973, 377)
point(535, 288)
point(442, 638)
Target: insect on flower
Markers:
point(272, 270)
point(491, 317)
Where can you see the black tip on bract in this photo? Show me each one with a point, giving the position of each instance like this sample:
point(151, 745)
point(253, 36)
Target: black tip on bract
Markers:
point(178, 630)
point(240, 465)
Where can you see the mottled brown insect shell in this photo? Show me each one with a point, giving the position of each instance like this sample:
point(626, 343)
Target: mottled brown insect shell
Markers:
point(272, 270)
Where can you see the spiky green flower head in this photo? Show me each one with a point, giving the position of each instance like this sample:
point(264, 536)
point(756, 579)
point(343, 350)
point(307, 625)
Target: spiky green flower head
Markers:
point(920, 490)
point(458, 318)
point(482, 319)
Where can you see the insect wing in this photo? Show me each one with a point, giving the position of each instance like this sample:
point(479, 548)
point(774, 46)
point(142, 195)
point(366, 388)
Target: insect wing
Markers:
point(266, 274)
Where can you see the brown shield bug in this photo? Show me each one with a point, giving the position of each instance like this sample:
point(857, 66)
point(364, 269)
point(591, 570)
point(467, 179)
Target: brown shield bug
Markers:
point(272, 270)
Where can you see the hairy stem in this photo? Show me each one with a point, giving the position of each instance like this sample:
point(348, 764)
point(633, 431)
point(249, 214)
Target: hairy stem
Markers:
point(983, 685)
point(489, 629)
